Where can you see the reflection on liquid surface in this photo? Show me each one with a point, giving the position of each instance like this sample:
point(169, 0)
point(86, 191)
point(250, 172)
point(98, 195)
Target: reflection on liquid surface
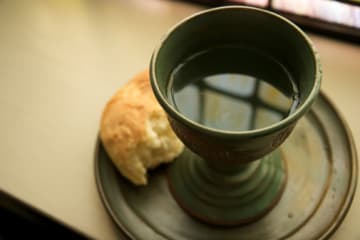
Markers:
point(233, 102)
point(233, 89)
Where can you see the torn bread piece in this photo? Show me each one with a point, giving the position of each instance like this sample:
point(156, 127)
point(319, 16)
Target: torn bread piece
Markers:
point(135, 131)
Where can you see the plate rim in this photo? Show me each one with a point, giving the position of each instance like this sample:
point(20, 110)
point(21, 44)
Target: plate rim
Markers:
point(350, 193)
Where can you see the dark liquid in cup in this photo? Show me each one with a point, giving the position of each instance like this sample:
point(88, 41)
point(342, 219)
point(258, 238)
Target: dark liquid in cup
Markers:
point(232, 88)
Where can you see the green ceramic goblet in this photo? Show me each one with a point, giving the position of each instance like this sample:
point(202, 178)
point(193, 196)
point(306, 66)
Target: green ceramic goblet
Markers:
point(230, 177)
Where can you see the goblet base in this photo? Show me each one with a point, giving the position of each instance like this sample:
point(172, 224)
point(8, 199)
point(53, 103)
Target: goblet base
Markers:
point(231, 198)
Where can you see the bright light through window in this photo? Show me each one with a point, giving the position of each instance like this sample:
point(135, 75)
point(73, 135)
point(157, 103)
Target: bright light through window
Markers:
point(259, 3)
point(327, 10)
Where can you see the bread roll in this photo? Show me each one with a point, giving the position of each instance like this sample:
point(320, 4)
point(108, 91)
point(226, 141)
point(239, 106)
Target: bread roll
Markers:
point(135, 131)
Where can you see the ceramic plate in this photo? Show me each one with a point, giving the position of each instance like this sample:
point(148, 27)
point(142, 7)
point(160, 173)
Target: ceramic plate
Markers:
point(322, 176)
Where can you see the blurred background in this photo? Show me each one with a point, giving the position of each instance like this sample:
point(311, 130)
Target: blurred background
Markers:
point(336, 18)
point(61, 60)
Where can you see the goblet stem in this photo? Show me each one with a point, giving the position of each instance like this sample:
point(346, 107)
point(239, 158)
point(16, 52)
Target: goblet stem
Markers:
point(225, 194)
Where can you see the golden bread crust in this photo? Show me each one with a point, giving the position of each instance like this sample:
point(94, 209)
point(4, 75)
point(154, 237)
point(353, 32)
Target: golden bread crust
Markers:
point(124, 127)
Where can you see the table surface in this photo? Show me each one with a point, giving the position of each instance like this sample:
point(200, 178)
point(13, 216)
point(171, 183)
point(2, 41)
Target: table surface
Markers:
point(60, 61)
